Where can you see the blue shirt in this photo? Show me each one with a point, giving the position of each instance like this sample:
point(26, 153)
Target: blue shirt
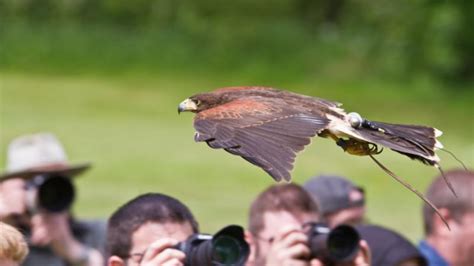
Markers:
point(431, 255)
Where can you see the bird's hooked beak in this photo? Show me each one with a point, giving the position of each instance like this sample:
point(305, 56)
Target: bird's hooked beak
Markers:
point(187, 105)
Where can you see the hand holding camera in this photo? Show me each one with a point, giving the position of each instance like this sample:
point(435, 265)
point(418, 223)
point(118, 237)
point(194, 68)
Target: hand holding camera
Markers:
point(317, 244)
point(226, 247)
point(41, 203)
point(162, 252)
point(289, 247)
point(49, 193)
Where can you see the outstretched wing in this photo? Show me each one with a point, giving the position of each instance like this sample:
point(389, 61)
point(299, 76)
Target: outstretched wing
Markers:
point(267, 133)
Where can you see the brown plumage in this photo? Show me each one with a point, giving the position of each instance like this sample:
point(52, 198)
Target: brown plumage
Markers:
point(267, 127)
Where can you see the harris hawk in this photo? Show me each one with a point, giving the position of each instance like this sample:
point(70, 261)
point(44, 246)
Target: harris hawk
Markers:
point(268, 127)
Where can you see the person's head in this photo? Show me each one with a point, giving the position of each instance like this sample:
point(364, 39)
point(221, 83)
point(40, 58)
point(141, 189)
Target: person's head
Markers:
point(389, 248)
point(31, 161)
point(274, 208)
point(339, 200)
point(13, 247)
point(143, 220)
point(457, 211)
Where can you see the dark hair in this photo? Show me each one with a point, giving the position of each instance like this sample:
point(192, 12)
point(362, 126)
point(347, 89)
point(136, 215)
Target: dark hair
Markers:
point(388, 247)
point(288, 197)
point(442, 197)
point(151, 207)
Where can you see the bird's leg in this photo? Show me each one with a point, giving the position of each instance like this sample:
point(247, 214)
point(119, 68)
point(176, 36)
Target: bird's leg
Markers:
point(326, 134)
point(353, 146)
point(357, 147)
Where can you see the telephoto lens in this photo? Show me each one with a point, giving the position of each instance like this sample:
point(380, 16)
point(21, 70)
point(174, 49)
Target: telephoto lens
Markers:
point(226, 247)
point(340, 244)
point(53, 193)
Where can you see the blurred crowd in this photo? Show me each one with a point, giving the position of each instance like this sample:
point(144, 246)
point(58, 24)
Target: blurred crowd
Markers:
point(322, 222)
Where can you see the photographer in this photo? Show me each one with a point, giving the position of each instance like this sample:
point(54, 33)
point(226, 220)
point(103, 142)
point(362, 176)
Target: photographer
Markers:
point(342, 202)
point(455, 246)
point(155, 229)
point(276, 234)
point(53, 235)
point(145, 230)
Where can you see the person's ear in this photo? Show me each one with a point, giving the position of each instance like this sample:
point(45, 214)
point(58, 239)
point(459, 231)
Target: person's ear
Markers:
point(248, 237)
point(251, 241)
point(115, 261)
point(440, 227)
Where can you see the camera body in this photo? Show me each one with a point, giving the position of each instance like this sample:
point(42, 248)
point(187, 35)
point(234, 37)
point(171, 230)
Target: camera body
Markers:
point(226, 247)
point(49, 192)
point(332, 246)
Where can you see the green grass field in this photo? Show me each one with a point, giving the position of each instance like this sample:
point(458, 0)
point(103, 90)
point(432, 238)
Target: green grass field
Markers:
point(128, 127)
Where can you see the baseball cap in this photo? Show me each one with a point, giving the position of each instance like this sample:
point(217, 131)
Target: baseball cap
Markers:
point(334, 193)
point(388, 247)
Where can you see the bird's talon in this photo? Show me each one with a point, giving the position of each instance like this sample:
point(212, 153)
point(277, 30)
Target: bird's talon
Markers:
point(356, 147)
point(342, 143)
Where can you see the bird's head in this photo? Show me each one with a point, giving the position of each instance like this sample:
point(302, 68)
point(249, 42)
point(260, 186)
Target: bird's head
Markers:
point(200, 102)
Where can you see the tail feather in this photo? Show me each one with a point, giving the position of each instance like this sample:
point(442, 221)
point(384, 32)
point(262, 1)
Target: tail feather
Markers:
point(423, 134)
point(416, 142)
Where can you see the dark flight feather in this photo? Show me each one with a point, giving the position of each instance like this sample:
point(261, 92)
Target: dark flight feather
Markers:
point(268, 137)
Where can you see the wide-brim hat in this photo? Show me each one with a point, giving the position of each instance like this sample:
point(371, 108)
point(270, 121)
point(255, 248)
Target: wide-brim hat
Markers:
point(36, 154)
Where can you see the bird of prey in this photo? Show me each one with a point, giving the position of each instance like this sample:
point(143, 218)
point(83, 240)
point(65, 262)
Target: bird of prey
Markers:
point(267, 127)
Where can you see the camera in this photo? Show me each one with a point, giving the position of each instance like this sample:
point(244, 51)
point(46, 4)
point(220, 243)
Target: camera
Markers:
point(226, 247)
point(340, 244)
point(50, 192)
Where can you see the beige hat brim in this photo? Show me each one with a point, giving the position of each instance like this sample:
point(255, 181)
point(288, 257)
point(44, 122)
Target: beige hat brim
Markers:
point(66, 170)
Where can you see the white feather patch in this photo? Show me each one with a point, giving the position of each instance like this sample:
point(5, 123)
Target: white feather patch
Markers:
point(438, 145)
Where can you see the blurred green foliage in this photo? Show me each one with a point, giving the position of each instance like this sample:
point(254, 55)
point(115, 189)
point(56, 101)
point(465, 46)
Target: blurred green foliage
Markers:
point(347, 38)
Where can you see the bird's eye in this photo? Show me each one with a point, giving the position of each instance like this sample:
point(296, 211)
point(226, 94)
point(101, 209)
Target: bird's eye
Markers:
point(198, 102)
